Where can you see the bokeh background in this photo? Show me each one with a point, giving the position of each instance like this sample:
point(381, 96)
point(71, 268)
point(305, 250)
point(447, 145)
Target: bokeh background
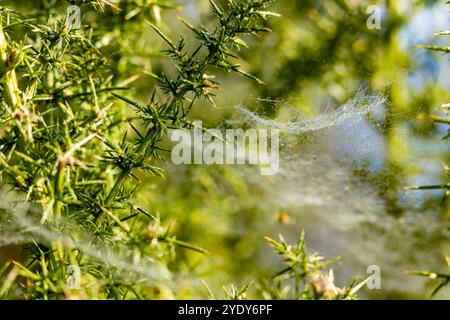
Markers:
point(342, 184)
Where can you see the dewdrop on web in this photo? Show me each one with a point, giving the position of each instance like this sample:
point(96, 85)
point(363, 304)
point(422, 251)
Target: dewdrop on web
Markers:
point(234, 147)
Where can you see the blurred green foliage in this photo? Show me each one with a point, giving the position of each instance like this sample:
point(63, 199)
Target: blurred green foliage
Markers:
point(319, 53)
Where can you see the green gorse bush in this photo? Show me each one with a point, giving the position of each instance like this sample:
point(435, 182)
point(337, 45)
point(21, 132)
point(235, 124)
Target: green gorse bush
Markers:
point(63, 143)
point(77, 138)
point(66, 146)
